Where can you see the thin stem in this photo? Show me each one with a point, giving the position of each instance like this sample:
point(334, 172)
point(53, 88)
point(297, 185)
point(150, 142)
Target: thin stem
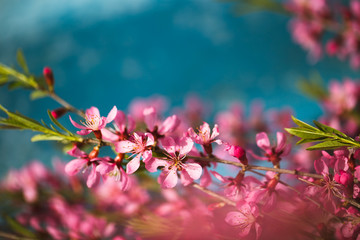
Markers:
point(248, 167)
point(66, 104)
point(213, 194)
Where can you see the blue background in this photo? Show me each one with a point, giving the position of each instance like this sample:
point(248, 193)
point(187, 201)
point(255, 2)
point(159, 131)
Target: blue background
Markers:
point(107, 53)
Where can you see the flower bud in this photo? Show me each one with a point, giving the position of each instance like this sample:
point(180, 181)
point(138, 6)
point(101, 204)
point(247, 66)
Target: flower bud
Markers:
point(94, 153)
point(49, 78)
point(238, 152)
point(59, 112)
point(344, 178)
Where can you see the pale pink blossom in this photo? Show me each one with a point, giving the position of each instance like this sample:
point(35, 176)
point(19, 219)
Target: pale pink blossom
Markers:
point(176, 153)
point(273, 153)
point(139, 146)
point(159, 128)
point(205, 137)
point(245, 219)
point(94, 121)
point(123, 126)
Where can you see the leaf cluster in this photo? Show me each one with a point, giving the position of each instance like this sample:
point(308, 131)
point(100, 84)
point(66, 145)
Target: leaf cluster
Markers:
point(48, 132)
point(22, 79)
point(326, 137)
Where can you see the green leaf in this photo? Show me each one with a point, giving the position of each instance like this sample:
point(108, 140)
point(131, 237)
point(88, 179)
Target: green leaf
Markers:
point(57, 123)
point(302, 124)
point(21, 60)
point(44, 137)
point(328, 145)
point(38, 94)
point(18, 228)
point(300, 132)
point(328, 129)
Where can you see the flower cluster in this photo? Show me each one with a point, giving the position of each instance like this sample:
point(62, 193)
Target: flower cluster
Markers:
point(314, 18)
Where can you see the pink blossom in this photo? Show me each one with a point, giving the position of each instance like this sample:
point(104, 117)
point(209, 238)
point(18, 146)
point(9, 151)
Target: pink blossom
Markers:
point(176, 153)
point(111, 169)
point(237, 152)
point(123, 125)
point(342, 97)
point(205, 137)
point(245, 219)
point(93, 121)
point(273, 153)
point(84, 161)
point(139, 146)
point(158, 128)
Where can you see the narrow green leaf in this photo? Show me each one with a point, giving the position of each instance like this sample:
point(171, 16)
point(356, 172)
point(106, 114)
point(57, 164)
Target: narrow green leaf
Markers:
point(18, 228)
point(303, 124)
point(301, 141)
point(44, 137)
point(15, 85)
point(328, 145)
point(57, 123)
point(306, 134)
point(328, 129)
point(21, 60)
point(38, 94)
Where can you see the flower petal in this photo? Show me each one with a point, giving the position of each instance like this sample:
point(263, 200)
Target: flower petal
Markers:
point(76, 124)
point(124, 146)
point(133, 165)
point(93, 177)
point(193, 169)
point(168, 179)
point(150, 118)
point(185, 144)
point(168, 143)
point(74, 166)
point(112, 114)
point(205, 180)
point(262, 140)
point(169, 125)
point(92, 112)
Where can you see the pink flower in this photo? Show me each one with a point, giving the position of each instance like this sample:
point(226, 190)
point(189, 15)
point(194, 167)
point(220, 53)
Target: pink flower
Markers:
point(111, 169)
point(123, 126)
point(139, 146)
point(204, 137)
point(245, 219)
point(176, 153)
point(158, 128)
point(273, 153)
point(83, 161)
point(94, 122)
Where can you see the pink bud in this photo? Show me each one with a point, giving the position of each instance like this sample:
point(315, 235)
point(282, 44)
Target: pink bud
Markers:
point(49, 78)
point(59, 112)
point(332, 47)
point(238, 152)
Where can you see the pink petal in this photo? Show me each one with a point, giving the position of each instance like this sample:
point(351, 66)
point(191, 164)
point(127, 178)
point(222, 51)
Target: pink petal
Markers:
point(104, 168)
point(168, 143)
point(102, 124)
point(120, 121)
point(150, 139)
point(83, 132)
point(131, 123)
point(108, 135)
point(321, 167)
point(112, 114)
point(357, 172)
point(258, 230)
point(215, 132)
point(150, 118)
point(124, 146)
point(205, 180)
point(133, 165)
point(93, 111)
point(186, 144)
point(235, 218)
point(185, 178)
point(93, 177)
point(219, 177)
point(262, 140)
point(76, 152)
point(193, 169)
point(147, 155)
point(169, 125)
point(153, 163)
point(281, 141)
point(74, 166)
point(76, 124)
point(205, 131)
point(168, 179)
